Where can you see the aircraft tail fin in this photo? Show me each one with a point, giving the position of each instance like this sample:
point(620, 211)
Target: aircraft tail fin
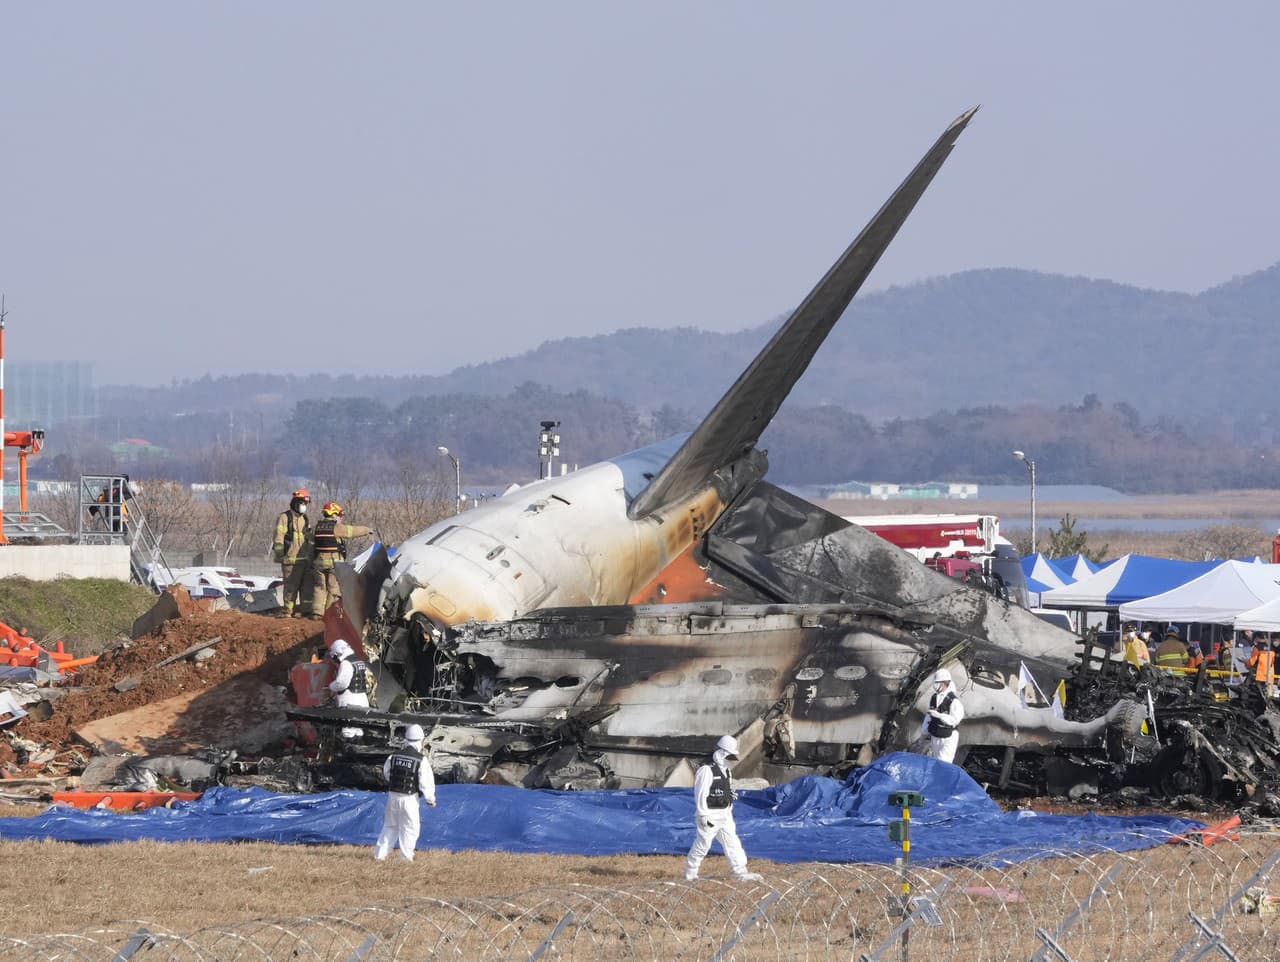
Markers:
point(735, 424)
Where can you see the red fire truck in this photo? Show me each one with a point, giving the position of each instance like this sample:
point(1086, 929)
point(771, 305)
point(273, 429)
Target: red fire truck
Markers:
point(967, 547)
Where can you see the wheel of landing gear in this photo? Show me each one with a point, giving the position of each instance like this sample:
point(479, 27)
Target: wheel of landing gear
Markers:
point(1181, 771)
point(1126, 731)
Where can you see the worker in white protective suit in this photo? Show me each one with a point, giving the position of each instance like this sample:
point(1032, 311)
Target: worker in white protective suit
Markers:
point(408, 775)
point(943, 717)
point(713, 797)
point(350, 688)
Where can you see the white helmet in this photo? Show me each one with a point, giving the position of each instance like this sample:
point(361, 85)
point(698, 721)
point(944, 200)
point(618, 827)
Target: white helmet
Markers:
point(729, 745)
point(414, 734)
point(340, 648)
point(941, 677)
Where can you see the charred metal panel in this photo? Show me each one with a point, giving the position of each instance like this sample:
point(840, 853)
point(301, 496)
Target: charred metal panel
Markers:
point(699, 670)
point(780, 547)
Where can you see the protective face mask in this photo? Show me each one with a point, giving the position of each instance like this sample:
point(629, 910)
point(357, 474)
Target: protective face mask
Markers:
point(302, 509)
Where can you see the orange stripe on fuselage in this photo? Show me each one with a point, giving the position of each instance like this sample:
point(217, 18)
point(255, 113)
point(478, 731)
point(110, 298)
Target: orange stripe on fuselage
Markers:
point(683, 580)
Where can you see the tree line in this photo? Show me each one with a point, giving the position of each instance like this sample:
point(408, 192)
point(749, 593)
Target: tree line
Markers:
point(496, 439)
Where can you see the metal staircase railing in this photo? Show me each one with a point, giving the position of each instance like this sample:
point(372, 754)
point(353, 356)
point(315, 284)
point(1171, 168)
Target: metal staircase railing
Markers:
point(32, 524)
point(111, 513)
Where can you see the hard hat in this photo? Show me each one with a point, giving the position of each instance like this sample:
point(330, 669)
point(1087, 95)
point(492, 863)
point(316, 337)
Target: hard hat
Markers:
point(302, 494)
point(1172, 630)
point(340, 648)
point(942, 676)
point(332, 510)
point(414, 734)
point(728, 744)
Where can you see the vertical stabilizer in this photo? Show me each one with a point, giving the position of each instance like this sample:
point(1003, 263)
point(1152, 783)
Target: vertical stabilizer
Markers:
point(735, 424)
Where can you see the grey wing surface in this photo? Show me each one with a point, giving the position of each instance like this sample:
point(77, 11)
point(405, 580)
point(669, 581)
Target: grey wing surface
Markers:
point(736, 422)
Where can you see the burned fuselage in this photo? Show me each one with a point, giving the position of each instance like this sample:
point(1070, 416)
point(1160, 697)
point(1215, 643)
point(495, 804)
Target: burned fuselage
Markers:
point(799, 630)
point(674, 675)
point(601, 534)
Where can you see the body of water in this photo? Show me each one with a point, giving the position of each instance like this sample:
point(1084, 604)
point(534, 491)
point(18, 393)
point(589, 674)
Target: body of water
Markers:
point(1168, 525)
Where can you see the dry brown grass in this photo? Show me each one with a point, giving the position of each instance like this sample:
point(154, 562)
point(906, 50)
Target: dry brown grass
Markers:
point(624, 906)
point(186, 886)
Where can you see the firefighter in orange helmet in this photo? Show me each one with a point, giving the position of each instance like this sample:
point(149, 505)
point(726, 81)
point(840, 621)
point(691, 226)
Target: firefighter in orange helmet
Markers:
point(292, 551)
point(330, 539)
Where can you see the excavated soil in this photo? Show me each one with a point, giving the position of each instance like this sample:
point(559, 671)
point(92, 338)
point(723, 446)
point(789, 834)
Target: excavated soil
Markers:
point(253, 646)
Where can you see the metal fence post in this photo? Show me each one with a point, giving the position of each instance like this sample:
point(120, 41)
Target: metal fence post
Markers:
point(751, 920)
point(555, 933)
point(136, 941)
point(1206, 929)
point(922, 908)
point(1051, 941)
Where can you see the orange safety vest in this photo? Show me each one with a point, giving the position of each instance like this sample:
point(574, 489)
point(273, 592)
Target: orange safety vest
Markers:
point(1262, 663)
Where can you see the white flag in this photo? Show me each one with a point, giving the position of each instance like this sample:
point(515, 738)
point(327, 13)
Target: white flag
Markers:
point(1025, 681)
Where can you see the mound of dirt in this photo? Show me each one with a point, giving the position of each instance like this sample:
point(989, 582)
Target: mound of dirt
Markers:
point(255, 647)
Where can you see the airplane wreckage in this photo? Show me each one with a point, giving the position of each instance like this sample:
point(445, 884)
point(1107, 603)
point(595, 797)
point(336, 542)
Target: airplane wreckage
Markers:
point(601, 629)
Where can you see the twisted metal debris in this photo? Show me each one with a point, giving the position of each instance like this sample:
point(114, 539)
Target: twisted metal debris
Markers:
point(1178, 903)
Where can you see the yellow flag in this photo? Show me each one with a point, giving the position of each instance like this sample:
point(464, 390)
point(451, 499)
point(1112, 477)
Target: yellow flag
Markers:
point(1060, 700)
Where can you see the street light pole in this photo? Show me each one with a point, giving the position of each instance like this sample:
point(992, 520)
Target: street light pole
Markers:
point(1031, 466)
point(457, 479)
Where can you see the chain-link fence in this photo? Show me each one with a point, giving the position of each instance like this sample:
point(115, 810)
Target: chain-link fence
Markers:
point(1175, 902)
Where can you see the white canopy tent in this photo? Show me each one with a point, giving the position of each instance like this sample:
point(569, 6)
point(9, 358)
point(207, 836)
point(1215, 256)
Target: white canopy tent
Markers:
point(1262, 618)
point(1216, 597)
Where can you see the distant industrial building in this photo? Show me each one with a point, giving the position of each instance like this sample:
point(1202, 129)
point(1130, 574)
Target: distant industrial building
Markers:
point(44, 394)
point(883, 491)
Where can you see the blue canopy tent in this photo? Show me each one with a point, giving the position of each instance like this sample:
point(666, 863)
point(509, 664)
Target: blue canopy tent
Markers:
point(1041, 576)
point(1076, 566)
point(1126, 579)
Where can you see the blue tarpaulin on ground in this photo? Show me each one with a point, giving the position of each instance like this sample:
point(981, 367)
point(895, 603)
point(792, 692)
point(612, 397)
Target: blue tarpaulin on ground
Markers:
point(810, 819)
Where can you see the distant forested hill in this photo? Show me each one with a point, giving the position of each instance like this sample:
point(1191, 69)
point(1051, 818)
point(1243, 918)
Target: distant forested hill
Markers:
point(981, 337)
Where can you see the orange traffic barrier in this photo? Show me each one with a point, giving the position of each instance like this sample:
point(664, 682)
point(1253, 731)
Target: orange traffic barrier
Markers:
point(20, 650)
point(124, 801)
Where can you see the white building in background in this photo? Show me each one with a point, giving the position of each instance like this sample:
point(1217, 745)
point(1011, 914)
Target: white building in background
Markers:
point(884, 491)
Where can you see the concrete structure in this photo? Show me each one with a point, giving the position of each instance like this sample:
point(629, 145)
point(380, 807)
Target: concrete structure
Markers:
point(45, 562)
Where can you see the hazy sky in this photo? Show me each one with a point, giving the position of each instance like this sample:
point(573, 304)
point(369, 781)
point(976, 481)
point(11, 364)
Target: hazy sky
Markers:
point(405, 187)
